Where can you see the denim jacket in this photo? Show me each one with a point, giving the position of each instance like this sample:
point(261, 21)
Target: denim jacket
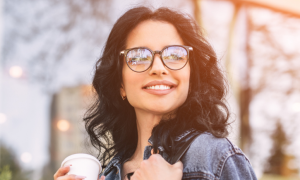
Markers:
point(207, 158)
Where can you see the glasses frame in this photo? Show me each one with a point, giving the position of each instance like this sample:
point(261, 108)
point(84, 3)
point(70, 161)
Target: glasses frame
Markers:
point(187, 48)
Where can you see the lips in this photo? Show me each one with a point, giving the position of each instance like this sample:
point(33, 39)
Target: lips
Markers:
point(159, 87)
point(155, 83)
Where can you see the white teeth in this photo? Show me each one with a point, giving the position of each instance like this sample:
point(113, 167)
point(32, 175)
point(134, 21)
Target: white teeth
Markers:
point(161, 87)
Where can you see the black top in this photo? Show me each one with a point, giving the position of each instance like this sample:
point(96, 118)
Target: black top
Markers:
point(129, 175)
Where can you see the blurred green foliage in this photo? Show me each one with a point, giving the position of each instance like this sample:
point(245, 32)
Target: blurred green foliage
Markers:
point(5, 173)
point(10, 169)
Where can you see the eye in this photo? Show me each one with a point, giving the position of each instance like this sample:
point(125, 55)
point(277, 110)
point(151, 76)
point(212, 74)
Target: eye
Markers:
point(139, 59)
point(139, 56)
point(174, 54)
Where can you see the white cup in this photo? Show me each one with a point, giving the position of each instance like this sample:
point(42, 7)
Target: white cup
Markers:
point(83, 165)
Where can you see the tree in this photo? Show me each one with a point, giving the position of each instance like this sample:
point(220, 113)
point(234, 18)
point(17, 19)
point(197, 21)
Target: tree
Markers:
point(278, 161)
point(49, 37)
point(5, 173)
point(9, 166)
point(277, 158)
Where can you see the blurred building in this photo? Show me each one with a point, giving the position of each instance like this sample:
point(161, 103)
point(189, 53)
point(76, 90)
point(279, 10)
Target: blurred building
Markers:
point(68, 135)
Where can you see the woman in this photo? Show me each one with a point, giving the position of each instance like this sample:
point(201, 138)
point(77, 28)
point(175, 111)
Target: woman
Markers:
point(159, 112)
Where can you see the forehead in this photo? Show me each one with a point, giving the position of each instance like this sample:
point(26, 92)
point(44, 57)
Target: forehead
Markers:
point(154, 35)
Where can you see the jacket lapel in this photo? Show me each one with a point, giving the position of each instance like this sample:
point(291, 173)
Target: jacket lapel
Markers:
point(182, 143)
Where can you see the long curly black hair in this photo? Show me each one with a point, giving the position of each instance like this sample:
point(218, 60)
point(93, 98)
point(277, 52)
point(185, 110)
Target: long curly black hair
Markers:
point(111, 122)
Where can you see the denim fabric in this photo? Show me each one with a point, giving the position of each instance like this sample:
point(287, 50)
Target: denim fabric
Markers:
point(208, 158)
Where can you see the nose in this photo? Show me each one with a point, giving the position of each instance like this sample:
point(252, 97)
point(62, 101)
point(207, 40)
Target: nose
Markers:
point(158, 68)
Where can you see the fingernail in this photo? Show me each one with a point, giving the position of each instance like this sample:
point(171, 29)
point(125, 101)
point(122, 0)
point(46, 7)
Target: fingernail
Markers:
point(80, 177)
point(67, 165)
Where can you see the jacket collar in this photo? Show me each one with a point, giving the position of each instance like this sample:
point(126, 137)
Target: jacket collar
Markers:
point(177, 138)
point(117, 158)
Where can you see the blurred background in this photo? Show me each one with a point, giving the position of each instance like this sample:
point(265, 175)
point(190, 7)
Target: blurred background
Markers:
point(48, 50)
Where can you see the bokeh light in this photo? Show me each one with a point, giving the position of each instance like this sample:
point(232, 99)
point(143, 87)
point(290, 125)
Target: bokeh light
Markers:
point(63, 125)
point(2, 118)
point(296, 107)
point(26, 157)
point(15, 71)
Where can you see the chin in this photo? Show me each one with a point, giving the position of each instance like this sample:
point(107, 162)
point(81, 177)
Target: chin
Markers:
point(160, 111)
point(161, 108)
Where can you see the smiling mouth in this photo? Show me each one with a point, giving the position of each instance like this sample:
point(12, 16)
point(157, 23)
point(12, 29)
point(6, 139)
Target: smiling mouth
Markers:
point(159, 87)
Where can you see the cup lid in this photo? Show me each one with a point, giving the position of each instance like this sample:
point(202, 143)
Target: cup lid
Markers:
point(81, 155)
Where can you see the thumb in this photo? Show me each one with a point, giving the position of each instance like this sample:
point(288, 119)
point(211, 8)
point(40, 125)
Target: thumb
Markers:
point(178, 164)
point(102, 178)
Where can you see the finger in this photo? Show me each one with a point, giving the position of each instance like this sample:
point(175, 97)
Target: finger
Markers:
point(156, 157)
point(102, 178)
point(62, 171)
point(178, 164)
point(71, 177)
point(138, 174)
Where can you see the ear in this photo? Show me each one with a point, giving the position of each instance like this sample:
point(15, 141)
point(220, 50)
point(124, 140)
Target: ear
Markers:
point(122, 91)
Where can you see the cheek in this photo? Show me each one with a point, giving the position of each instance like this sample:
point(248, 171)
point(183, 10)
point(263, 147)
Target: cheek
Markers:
point(132, 82)
point(183, 77)
point(185, 80)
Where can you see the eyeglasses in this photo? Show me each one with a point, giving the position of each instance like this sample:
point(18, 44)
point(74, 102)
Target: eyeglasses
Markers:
point(140, 59)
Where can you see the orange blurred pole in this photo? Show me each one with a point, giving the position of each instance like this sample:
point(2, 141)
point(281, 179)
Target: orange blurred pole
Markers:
point(291, 7)
point(197, 12)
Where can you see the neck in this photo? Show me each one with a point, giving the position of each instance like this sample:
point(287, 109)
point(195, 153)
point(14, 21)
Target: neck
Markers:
point(145, 122)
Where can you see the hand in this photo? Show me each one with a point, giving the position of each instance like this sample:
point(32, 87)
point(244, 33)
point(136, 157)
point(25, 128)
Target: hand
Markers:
point(61, 175)
point(156, 168)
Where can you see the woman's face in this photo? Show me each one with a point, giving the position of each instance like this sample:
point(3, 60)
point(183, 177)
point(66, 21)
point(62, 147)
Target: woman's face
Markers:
point(155, 35)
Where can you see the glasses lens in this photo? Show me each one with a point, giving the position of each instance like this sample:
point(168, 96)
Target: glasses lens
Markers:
point(139, 59)
point(175, 57)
